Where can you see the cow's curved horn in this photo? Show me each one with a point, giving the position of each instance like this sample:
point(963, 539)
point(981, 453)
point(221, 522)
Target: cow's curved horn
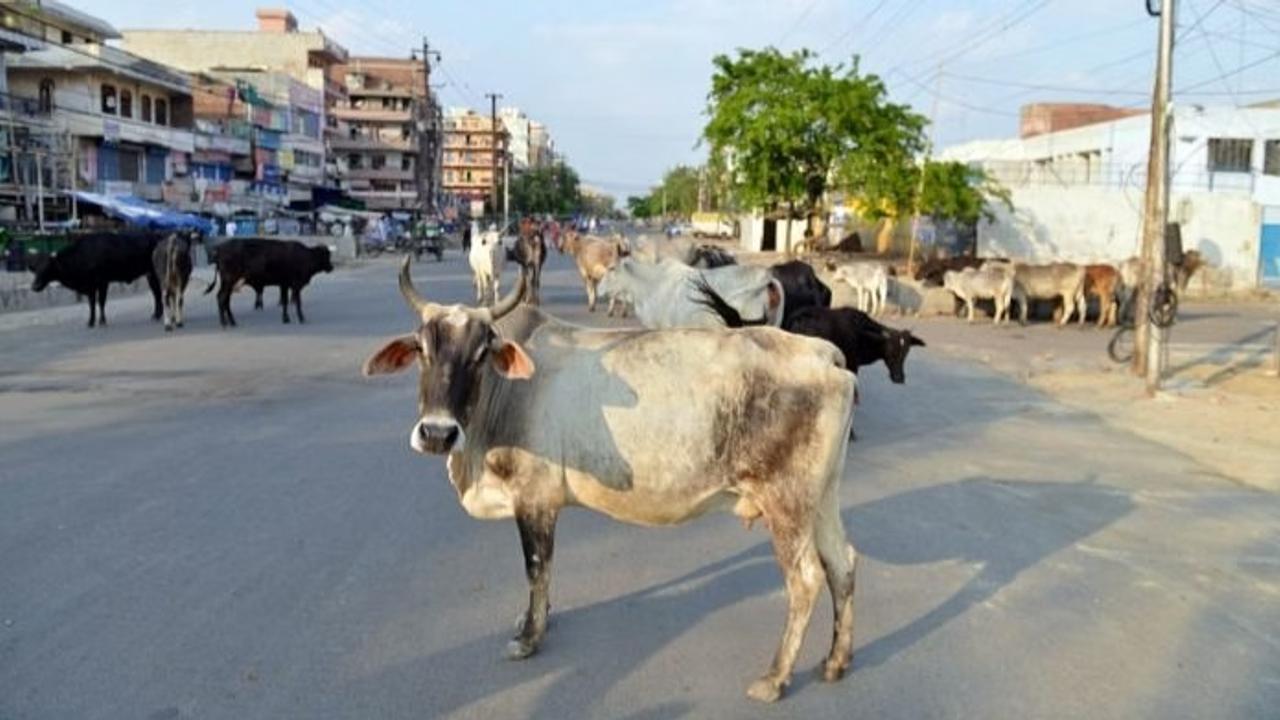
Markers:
point(508, 303)
point(417, 303)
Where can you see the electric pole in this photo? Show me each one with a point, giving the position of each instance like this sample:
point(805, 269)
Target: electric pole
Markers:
point(924, 167)
point(1148, 358)
point(493, 171)
point(428, 135)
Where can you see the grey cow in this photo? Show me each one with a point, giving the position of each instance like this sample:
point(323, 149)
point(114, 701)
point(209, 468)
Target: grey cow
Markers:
point(651, 427)
point(172, 262)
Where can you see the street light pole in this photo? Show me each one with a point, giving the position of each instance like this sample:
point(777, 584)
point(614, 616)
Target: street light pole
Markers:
point(1148, 359)
point(493, 171)
point(428, 134)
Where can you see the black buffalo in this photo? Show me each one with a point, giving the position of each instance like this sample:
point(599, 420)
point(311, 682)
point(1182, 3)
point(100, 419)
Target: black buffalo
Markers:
point(258, 263)
point(861, 339)
point(801, 288)
point(92, 262)
point(931, 272)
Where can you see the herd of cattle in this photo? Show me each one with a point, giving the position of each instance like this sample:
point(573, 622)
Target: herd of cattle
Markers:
point(92, 262)
point(536, 415)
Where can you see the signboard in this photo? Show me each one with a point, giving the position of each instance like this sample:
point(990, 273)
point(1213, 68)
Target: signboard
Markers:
point(110, 131)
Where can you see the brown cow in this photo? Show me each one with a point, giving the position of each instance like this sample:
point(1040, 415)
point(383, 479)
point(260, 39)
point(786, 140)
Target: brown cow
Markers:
point(1103, 282)
point(594, 256)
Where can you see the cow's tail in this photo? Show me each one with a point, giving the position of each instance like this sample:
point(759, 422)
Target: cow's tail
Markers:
point(707, 297)
point(214, 284)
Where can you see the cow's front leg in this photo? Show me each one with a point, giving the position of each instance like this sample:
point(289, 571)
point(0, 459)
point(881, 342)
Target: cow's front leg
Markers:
point(537, 539)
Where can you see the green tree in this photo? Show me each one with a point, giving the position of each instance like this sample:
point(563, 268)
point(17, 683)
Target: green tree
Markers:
point(955, 191)
point(552, 189)
point(641, 206)
point(786, 131)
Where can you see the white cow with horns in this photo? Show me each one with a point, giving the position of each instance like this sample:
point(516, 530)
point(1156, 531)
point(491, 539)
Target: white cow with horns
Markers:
point(648, 427)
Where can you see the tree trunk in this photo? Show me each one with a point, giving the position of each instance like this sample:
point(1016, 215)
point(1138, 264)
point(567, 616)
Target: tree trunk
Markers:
point(791, 211)
point(884, 238)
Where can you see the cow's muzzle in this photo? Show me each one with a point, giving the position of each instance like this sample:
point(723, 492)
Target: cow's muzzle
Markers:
point(436, 436)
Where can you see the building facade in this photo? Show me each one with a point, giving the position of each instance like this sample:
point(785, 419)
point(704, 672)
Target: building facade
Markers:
point(1077, 194)
point(277, 45)
point(542, 151)
point(384, 154)
point(517, 126)
point(471, 141)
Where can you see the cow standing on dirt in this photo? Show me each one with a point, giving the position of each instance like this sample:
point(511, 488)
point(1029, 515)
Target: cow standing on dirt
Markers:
point(261, 262)
point(171, 261)
point(93, 262)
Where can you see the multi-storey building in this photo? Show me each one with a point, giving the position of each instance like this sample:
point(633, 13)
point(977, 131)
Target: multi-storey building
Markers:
point(125, 122)
point(470, 143)
point(385, 149)
point(277, 45)
point(541, 148)
point(517, 126)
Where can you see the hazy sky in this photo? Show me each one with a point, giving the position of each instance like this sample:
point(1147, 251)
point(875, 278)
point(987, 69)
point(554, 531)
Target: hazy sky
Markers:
point(622, 84)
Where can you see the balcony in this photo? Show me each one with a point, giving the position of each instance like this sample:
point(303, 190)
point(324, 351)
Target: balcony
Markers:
point(370, 144)
point(372, 115)
point(380, 174)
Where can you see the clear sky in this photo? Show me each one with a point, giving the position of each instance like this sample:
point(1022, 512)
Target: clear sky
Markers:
point(622, 84)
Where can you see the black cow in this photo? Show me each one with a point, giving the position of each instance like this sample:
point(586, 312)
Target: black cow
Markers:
point(171, 261)
point(92, 262)
point(711, 256)
point(861, 339)
point(259, 262)
point(801, 288)
point(931, 272)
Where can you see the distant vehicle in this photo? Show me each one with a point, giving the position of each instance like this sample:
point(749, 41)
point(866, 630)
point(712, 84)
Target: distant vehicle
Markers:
point(712, 225)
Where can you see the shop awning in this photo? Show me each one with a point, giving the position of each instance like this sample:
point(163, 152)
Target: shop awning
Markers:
point(140, 213)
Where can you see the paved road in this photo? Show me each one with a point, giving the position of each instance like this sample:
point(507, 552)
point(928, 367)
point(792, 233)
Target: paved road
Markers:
point(230, 525)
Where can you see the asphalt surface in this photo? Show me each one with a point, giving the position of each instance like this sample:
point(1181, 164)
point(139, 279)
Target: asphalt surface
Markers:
point(230, 524)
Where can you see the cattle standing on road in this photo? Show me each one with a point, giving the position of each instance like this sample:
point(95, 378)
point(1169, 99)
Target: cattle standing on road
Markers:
point(870, 282)
point(594, 257)
point(171, 261)
point(531, 253)
point(1103, 282)
point(536, 415)
point(259, 262)
point(487, 257)
point(994, 281)
point(662, 298)
point(1054, 281)
point(93, 262)
point(801, 287)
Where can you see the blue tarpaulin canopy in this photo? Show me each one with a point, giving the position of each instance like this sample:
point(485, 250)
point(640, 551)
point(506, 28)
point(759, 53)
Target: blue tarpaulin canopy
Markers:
point(140, 213)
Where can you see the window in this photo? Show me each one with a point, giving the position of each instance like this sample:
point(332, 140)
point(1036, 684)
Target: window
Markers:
point(406, 162)
point(1230, 155)
point(1271, 158)
point(162, 111)
point(354, 161)
point(66, 38)
point(109, 99)
point(126, 104)
point(378, 162)
point(406, 131)
point(146, 108)
point(46, 95)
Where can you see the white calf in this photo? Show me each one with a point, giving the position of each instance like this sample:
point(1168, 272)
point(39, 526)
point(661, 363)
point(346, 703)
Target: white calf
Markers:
point(487, 257)
point(870, 280)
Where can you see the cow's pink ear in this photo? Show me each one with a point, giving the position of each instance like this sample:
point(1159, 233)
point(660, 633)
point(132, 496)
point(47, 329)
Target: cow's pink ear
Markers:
point(393, 357)
point(512, 361)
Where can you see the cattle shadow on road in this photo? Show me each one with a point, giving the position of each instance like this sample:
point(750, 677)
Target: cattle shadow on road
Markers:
point(1004, 527)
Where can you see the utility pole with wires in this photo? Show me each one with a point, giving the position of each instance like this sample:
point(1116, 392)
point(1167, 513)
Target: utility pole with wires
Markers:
point(428, 135)
point(924, 166)
point(1150, 338)
point(493, 172)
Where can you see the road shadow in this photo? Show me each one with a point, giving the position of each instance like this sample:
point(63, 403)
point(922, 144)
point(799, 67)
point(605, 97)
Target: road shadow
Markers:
point(1247, 352)
point(1002, 526)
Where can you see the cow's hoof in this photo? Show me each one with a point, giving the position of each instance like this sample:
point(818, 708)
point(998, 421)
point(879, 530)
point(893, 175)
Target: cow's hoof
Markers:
point(520, 649)
point(765, 690)
point(833, 671)
point(286, 321)
point(168, 328)
point(180, 325)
